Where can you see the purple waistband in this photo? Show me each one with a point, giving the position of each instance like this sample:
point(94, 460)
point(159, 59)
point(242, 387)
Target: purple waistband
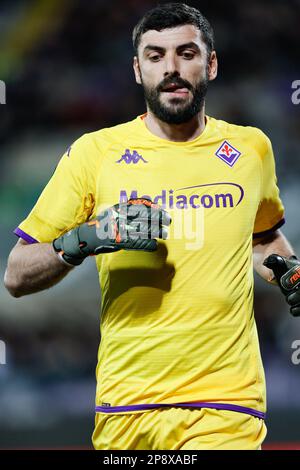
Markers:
point(150, 406)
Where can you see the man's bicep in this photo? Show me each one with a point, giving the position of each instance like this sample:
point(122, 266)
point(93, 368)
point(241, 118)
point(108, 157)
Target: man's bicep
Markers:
point(263, 241)
point(21, 241)
point(19, 244)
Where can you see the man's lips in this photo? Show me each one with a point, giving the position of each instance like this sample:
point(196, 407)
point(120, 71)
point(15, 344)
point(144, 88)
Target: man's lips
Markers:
point(175, 89)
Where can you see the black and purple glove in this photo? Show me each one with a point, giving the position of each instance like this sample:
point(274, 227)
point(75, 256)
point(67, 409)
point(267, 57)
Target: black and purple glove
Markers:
point(133, 225)
point(287, 275)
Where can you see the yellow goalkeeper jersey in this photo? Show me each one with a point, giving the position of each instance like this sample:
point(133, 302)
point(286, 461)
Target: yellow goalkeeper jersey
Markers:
point(177, 325)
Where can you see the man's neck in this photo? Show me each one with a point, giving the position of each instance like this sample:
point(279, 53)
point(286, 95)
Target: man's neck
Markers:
point(176, 132)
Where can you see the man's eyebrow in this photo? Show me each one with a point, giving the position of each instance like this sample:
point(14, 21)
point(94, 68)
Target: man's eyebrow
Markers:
point(191, 45)
point(151, 47)
point(188, 45)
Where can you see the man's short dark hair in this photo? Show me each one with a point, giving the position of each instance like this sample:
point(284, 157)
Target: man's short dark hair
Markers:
point(170, 15)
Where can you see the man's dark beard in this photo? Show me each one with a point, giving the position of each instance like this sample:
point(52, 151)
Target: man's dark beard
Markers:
point(179, 114)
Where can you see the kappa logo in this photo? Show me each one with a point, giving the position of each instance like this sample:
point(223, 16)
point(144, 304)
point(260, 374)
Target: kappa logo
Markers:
point(133, 157)
point(228, 153)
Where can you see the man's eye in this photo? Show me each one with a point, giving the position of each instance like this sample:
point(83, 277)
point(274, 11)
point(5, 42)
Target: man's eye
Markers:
point(154, 58)
point(188, 55)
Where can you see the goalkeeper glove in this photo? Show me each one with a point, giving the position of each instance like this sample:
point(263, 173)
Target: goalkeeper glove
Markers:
point(129, 226)
point(287, 275)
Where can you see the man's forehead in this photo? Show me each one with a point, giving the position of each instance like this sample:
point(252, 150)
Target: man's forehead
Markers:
point(172, 37)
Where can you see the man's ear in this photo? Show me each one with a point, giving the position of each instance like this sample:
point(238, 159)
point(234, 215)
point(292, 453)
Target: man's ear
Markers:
point(212, 66)
point(137, 72)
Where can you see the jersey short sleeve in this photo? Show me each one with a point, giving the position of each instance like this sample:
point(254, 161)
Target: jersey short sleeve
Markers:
point(270, 213)
point(66, 201)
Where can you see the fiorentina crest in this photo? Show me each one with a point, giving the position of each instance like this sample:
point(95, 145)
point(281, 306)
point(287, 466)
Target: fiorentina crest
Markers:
point(228, 153)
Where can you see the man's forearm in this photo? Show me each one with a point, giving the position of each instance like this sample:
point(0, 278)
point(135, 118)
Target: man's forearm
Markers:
point(32, 268)
point(275, 243)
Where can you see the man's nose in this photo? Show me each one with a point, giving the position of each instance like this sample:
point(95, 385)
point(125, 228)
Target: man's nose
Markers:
point(171, 66)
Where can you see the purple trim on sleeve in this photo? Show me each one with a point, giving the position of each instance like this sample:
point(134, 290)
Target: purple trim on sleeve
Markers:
point(271, 230)
point(216, 406)
point(25, 236)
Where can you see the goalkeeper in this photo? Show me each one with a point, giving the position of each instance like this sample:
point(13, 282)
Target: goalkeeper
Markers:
point(179, 363)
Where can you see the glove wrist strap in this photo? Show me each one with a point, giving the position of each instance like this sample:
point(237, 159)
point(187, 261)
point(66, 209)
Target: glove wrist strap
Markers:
point(67, 260)
point(61, 258)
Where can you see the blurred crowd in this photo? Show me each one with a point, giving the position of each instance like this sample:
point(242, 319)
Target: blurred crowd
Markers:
point(72, 68)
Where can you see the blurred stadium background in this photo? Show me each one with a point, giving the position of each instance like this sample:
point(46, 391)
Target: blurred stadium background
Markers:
point(67, 69)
